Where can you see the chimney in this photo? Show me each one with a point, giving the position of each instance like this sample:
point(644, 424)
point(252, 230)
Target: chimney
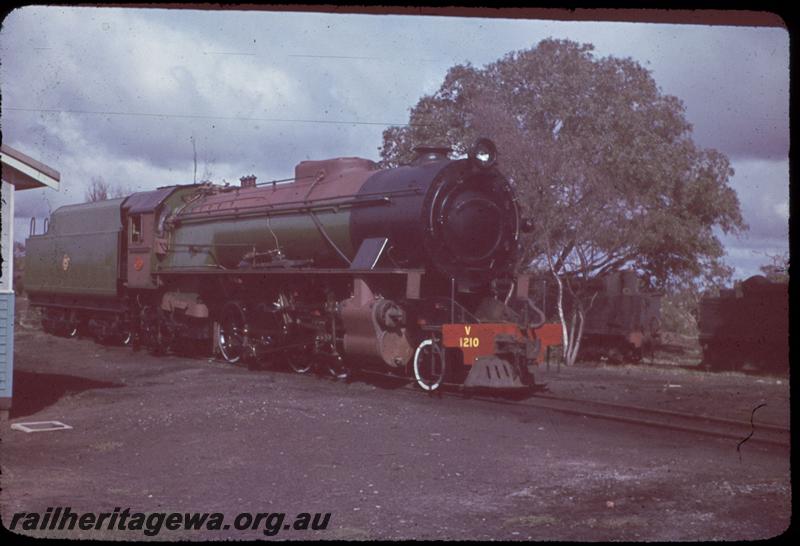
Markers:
point(248, 181)
point(431, 153)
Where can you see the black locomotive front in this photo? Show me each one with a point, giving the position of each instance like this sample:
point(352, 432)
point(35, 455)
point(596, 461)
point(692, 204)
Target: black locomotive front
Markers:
point(458, 219)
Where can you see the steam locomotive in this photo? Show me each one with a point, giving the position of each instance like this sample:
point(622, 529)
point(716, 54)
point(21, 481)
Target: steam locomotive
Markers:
point(407, 271)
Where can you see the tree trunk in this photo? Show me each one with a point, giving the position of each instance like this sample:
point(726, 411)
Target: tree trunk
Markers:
point(565, 338)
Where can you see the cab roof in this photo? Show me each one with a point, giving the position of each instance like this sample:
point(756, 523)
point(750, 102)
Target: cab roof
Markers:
point(146, 201)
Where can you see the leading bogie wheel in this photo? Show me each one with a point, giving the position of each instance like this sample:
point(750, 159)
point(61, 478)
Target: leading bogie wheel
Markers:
point(429, 365)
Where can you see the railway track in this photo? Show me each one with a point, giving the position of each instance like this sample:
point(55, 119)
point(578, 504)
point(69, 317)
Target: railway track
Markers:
point(755, 431)
point(741, 431)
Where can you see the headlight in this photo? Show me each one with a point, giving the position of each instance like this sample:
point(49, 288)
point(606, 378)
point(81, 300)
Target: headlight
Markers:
point(484, 152)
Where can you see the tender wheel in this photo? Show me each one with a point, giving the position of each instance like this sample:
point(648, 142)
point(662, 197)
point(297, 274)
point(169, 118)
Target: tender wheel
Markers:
point(122, 332)
point(76, 324)
point(233, 330)
point(429, 365)
point(69, 324)
point(126, 338)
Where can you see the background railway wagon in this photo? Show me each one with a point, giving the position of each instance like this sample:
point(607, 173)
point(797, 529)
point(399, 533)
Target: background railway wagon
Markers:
point(623, 322)
point(746, 327)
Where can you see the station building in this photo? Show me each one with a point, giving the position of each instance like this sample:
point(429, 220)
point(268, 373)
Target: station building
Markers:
point(19, 172)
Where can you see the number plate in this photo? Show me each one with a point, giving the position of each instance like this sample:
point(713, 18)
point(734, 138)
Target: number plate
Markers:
point(474, 340)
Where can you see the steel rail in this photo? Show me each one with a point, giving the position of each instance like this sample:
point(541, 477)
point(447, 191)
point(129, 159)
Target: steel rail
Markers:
point(669, 413)
point(769, 434)
point(762, 433)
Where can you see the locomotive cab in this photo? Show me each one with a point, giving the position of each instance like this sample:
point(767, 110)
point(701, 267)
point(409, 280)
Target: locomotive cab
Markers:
point(142, 215)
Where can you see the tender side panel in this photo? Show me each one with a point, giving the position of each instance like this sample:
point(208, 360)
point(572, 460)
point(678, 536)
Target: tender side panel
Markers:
point(80, 253)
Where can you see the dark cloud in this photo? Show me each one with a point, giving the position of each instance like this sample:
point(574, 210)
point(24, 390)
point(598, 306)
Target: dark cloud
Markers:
point(735, 84)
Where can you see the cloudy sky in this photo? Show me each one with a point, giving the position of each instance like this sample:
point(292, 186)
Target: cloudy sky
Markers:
point(122, 94)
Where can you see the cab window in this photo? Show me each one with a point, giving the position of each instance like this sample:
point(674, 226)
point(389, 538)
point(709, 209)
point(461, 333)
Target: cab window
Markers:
point(135, 228)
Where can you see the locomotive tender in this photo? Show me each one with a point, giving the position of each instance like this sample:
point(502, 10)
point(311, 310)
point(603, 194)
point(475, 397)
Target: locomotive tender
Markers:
point(407, 270)
point(746, 327)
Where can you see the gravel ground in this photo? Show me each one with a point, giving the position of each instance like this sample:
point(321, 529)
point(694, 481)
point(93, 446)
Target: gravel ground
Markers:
point(730, 395)
point(184, 435)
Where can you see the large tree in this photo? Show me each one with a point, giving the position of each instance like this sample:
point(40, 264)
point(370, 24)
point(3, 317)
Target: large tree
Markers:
point(603, 161)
